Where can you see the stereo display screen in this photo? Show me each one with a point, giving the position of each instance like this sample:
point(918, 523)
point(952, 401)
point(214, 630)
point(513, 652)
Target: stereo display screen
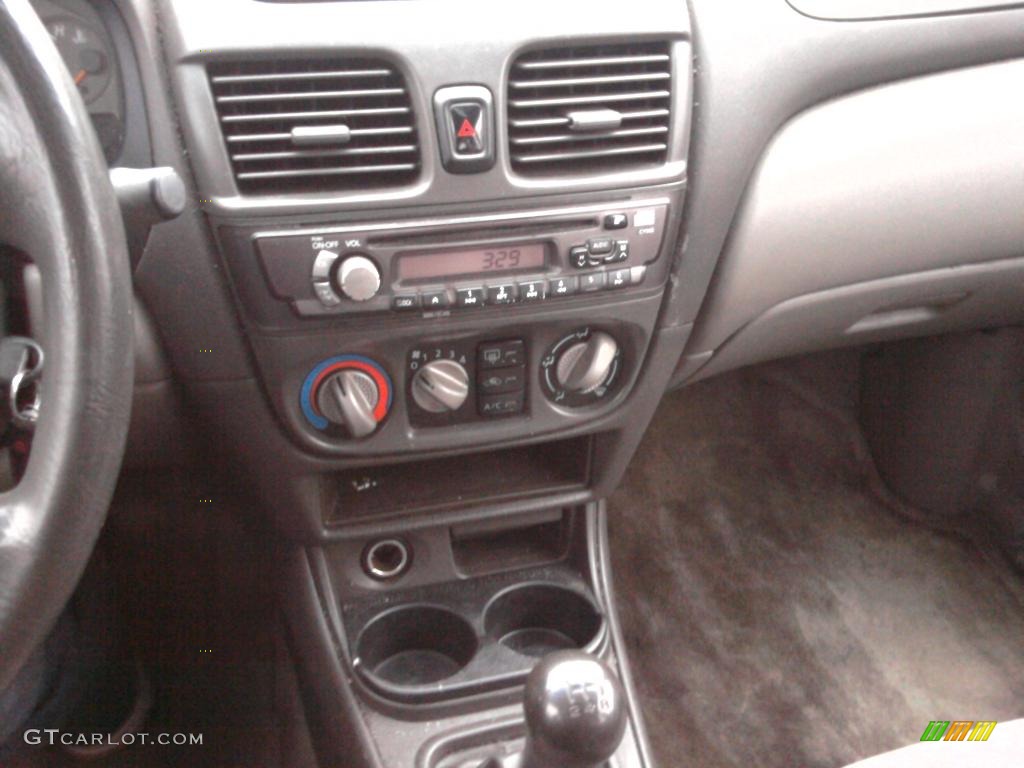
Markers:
point(475, 261)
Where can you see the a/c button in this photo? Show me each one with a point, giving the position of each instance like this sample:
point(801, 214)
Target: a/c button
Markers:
point(501, 405)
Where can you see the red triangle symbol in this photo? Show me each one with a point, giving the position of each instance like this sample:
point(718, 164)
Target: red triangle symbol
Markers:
point(466, 130)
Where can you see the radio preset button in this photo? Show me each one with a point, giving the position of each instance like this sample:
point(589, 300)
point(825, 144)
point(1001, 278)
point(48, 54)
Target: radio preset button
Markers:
point(405, 301)
point(534, 290)
point(326, 294)
point(616, 221)
point(599, 246)
point(501, 405)
point(501, 354)
point(468, 298)
point(434, 299)
point(562, 286)
point(501, 294)
point(619, 278)
point(579, 256)
point(592, 281)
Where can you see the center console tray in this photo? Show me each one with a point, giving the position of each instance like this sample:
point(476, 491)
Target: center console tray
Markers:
point(468, 637)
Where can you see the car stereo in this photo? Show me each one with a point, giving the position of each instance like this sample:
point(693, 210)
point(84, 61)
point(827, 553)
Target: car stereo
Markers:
point(463, 263)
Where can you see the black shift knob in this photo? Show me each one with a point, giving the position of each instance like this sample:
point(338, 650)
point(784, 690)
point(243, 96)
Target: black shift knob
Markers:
point(575, 712)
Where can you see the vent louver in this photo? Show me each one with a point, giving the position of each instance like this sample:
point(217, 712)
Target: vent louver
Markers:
point(315, 125)
point(589, 109)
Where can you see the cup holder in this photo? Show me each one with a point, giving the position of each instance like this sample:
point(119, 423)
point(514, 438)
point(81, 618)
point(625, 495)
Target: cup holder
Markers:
point(535, 619)
point(416, 645)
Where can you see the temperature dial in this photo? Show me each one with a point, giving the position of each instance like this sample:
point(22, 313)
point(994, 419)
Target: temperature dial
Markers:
point(440, 386)
point(349, 398)
point(582, 368)
point(348, 394)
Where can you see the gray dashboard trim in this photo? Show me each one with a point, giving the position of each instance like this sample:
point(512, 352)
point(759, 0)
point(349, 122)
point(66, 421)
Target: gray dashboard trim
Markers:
point(908, 177)
point(927, 303)
point(757, 64)
point(848, 10)
point(198, 32)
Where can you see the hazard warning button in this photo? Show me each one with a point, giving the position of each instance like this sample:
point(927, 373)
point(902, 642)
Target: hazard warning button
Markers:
point(467, 122)
point(464, 118)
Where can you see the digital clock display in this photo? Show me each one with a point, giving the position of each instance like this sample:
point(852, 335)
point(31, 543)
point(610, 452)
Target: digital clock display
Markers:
point(474, 261)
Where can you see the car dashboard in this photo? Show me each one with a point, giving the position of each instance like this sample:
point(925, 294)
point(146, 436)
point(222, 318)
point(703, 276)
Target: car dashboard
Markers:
point(436, 266)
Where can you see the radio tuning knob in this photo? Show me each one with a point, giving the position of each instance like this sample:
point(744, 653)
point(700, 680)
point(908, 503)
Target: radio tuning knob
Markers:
point(440, 385)
point(358, 278)
point(349, 398)
point(584, 366)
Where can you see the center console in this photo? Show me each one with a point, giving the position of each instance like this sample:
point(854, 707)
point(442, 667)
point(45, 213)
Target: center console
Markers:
point(453, 264)
point(384, 337)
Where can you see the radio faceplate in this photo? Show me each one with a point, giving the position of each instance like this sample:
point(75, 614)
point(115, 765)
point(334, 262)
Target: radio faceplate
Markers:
point(464, 263)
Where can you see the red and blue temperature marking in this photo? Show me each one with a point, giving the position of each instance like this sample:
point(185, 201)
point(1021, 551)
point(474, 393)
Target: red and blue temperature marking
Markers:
point(307, 397)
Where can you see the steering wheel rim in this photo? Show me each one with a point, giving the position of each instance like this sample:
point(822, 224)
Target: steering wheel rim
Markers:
point(58, 207)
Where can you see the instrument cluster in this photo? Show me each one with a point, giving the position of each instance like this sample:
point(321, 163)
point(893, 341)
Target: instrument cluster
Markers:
point(84, 42)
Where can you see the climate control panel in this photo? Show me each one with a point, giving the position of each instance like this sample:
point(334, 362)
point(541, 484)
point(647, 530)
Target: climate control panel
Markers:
point(466, 380)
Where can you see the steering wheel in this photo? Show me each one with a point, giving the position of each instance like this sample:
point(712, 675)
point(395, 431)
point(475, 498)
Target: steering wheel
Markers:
point(57, 207)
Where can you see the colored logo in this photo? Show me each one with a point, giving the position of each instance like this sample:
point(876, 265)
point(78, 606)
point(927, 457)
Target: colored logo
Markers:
point(958, 730)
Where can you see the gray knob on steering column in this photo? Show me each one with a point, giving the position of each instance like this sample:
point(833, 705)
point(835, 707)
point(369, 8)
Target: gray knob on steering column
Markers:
point(440, 385)
point(584, 366)
point(349, 398)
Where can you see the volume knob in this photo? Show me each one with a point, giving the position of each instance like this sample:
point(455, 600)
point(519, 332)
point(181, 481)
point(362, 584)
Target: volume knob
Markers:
point(358, 278)
point(440, 385)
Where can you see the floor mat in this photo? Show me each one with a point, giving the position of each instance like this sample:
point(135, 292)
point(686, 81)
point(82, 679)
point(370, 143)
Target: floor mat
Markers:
point(778, 609)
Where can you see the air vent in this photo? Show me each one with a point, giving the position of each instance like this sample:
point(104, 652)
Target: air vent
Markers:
point(589, 109)
point(315, 125)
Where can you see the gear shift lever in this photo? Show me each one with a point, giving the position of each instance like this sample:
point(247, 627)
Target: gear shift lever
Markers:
point(575, 712)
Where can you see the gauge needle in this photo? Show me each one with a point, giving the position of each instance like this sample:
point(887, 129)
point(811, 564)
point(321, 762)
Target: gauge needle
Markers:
point(80, 76)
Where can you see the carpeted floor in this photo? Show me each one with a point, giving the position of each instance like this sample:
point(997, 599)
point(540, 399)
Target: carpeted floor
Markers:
point(779, 609)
